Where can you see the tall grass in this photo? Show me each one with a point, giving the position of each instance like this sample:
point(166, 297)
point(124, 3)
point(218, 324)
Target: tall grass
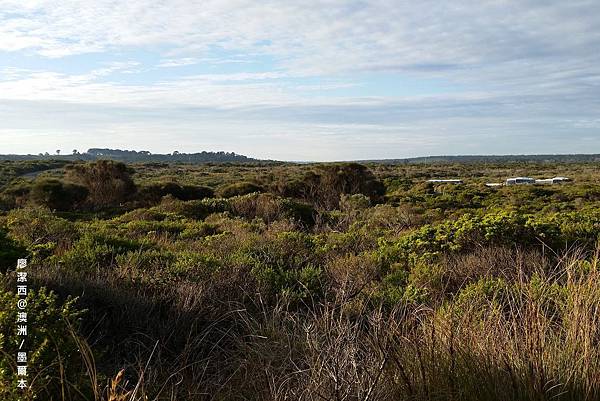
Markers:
point(496, 331)
point(534, 337)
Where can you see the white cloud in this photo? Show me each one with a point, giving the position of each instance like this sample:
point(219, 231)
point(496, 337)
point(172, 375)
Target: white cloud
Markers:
point(178, 62)
point(320, 35)
point(522, 66)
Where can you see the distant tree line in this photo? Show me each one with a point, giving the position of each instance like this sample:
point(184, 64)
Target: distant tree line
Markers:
point(132, 156)
point(573, 158)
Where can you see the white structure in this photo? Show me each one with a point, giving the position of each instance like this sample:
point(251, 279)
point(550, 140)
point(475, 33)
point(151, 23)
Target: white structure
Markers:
point(493, 184)
point(520, 181)
point(436, 181)
point(555, 180)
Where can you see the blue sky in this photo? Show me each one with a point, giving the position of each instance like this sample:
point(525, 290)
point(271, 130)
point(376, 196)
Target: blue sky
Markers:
point(301, 80)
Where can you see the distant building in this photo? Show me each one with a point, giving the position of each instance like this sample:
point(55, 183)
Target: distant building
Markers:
point(437, 181)
point(555, 180)
point(493, 184)
point(520, 181)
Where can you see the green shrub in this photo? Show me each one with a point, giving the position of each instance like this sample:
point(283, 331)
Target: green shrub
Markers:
point(324, 186)
point(288, 266)
point(143, 227)
point(293, 188)
point(197, 230)
point(395, 288)
point(39, 231)
point(146, 267)
point(15, 194)
point(108, 182)
point(270, 208)
point(56, 194)
point(293, 285)
point(10, 251)
point(54, 354)
point(300, 212)
point(238, 188)
point(97, 250)
point(196, 209)
point(194, 266)
point(354, 202)
point(501, 228)
point(153, 193)
point(483, 292)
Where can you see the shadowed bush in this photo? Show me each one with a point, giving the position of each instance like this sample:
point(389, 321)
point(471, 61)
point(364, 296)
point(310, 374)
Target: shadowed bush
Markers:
point(10, 251)
point(108, 183)
point(237, 189)
point(326, 183)
point(153, 193)
point(56, 194)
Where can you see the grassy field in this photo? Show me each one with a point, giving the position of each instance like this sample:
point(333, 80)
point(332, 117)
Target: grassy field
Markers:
point(275, 281)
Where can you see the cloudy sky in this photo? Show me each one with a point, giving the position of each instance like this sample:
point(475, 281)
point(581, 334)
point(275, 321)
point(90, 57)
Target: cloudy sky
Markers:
point(301, 80)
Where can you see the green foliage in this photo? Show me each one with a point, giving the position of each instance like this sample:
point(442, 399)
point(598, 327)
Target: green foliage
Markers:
point(14, 194)
point(239, 188)
point(11, 169)
point(299, 211)
point(270, 208)
point(483, 292)
point(54, 360)
point(56, 194)
point(194, 266)
point(96, 249)
point(501, 228)
point(287, 267)
point(324, 186)
point(39, 230)
point(197, 209)
point(10, 251)
point(354, 202)
point(397, 288)
point(153, 193)
point(146, 267)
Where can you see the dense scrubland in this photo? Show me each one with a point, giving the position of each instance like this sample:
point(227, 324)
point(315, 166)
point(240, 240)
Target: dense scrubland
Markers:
point(302, 282)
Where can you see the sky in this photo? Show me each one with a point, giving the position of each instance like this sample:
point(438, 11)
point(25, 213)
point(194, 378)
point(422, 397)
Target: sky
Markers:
point(301, 80)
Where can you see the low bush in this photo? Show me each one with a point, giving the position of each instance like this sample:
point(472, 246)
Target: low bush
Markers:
point(57, 357)
point(40, 231)
point(109, 183)
point(288, 267)
point(153, 193)
point(56, 194)
point(238, 188)
point(324, 186)
point(10, 251)
point(270, 208)
point(97, 250)
point(15, 195)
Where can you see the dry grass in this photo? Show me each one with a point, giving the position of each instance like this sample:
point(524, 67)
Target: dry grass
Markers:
point(536, 339)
